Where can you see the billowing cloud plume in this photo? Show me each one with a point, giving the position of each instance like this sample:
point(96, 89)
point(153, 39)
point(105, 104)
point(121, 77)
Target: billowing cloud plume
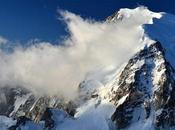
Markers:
point(53, 69)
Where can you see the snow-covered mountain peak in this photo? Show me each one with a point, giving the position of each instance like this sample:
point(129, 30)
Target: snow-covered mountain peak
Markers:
point(147, 84)
point(156, 26)
point(139, 94)
point(141, 15)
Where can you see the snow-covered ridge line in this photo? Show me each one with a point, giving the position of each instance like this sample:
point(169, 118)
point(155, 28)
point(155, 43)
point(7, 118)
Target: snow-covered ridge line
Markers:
point(140, 15)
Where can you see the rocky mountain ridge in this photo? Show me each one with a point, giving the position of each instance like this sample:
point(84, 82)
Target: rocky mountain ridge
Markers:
point(147, 83)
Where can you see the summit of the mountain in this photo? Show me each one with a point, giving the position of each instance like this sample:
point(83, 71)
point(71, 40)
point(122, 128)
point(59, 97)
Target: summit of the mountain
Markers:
point(139, 94)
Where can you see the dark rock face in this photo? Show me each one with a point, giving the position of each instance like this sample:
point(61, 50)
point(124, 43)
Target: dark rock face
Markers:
point(43, 103)
point(20, 121)
point(20, 104)
point(47, 117)
point(148, 80)
point(8, 97)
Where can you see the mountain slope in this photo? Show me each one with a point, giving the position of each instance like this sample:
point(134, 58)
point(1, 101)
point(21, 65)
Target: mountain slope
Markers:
point(139, 94)
point(148, 82)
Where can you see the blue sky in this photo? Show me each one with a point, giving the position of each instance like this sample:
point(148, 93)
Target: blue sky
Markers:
point(22, 20)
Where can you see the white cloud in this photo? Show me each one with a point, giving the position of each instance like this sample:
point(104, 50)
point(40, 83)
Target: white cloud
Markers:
point(3, 40)
point(49, 69)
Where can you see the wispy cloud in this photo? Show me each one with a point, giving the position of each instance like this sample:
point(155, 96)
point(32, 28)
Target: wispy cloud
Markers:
point(3, 40)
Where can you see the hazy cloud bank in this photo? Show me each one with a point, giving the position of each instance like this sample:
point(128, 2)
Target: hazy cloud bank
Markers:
point(52, 69)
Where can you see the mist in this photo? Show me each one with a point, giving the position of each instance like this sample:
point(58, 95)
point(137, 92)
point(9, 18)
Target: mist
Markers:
point(91, 47)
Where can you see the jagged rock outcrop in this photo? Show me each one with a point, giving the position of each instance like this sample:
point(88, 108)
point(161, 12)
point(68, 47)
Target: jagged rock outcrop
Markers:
point(147, 83)
point(11, 96)
point(20, 104)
